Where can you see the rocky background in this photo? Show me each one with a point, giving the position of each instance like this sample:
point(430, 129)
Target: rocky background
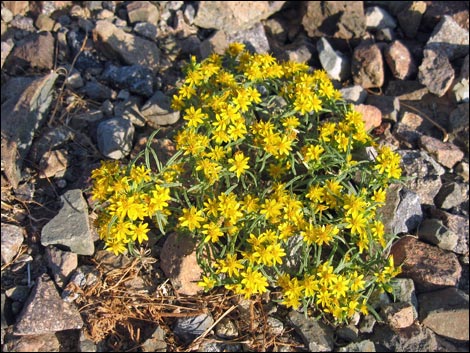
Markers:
point(84, 81)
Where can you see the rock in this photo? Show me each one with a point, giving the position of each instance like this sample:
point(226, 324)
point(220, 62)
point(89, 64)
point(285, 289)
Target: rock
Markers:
point(399, 315)
point(188, 328)
point(385, 35)
point(17, 7)
point(22, 116)
point(400, 60)
point(406, 90)
point(226, 329)
point(458, 120)
point(130, 49)
point(156, 343)
point(129, 110)
point(254, 38)
point(53, 163)
point(36, 51)
point(367, 65)
point(234, 16)
point(11, 240)
point(157, 111)
point(371, 115)
point(451, 195)
point(449, 39)
point(45, 306)
point(462, 169)
point(388, 106)
point(436, 72)
point(435, 232)
point(402, 210)
point(445, 312)
point(361, 346)
point(409, 18)
point(70, 227)
point(349, 333)
point(456, 224)
point(424, 172)
point(98, 91)
point(414, 338)
point(47, 342)
point(404, 291)
point(136, 78)
point(179, 262)
point(316, 335)
point(354, 94)
point(146, 29)
point(115, 137)
point(447, 154)
point(6, 48)
point(23, 23)
point(275, 326)
point(428, 266)
point(349, 20)
point(45, 23)
point(61, 263)
point(143, 11)
point(378, 18)
point(334, 62)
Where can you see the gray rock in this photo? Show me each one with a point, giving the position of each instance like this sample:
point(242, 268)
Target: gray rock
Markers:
point(7, 15)
point(349, 333)
point(361, 346)
point(429, 267)
point(156, 343)
point(406, 89)
point(367, 324)
point(458, 119)
point(24, 107)
point(18, 293)
point(98, 91)
point(462, 169)
point(115, 137)
point(53, 164)
point(456, 224)
point(24, 23)
point(129, 109)
point(61, 263)
point(334, 62)
point(11, 240)
point(275, 326)
point(254, 38)
point(378, 18)
point(414, 338)
point(146, 30)
point(424, 173)
point(47, 342)
point(45, 306)
point(451, 195)
point(402, 211)
point(445, 312)
point(367, 65)
point(404, 291)
point(6, 47)
point(74, 80)
point(447, 154)
point(157, 111)
point(136, 78)
point(114, 43)
point(190, 327)
point(316, 335)
point(409, 18)
point(385, 35)
point(226, 329)
point(70, 227)
point(389, 106)
point(233, 16)
point(435, 232)
point(143, 11)
point(436, 72)
point(449, 38)
point(354, 94)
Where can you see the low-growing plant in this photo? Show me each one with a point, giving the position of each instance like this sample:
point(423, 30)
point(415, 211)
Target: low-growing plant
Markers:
point(274, 177)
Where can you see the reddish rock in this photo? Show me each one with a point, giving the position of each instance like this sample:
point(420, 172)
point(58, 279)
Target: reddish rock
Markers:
point(436, 72)
point(400, 60)
point(178, 261)
point(428, 266)
point(446, 154)
point(399, 315)
point(367, 65)
point(371, 115)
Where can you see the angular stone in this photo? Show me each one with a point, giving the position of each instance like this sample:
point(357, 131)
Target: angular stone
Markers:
point(435, 232)
point(361, 346)
point(130, 49)
point(188, 328)
point(338, 19)
point(71, 226)
point(179, 262)
point(36, 51)
point(400, 60)
point(367, 65)
point(143, 11)
point(254, 38)
point(445, 153)
point(115, 137)
point(414, 338)
point(436, 72)
point(136, 78)
point(232, 16)
point(371, 115)
point(451, 195)
point(424, 173)
point(7, 47)
point(11, 240)
point(45, 306)
point(334, 62)
point(97, 91)
point(409, 18)
point(449, 38)
point(53, 163)
point(378, 18)
point(404, 291)
point(456, 224)
point(430, 267)
point(354, 94)
point(399, 315)
point(47, 342)
point(157, 111)
point(406, 90)
point(22, 115)
point(316, 335)
point(389, 106)
point(61, 263)
point(445, 312)
point(17, 7)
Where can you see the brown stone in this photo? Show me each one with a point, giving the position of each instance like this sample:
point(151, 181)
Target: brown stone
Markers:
point(446, 154)
point(179, 262)
point(428, 266)
point(399, 315)
point(400, 60)
point(367, 65)
point(17, 7)
point(371, 115)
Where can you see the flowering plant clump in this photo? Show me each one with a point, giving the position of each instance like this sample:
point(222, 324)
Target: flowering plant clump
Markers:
point(271, 179)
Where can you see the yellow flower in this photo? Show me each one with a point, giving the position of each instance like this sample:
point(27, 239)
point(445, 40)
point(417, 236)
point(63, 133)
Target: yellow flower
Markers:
point(194, 117)
point(212, 232)
point(139, 232)
point(207, 283)
point(239, 163)
point(191, 218)
point(230, 265)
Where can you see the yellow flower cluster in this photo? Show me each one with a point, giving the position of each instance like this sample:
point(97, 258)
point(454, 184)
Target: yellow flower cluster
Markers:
point(267, 169)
